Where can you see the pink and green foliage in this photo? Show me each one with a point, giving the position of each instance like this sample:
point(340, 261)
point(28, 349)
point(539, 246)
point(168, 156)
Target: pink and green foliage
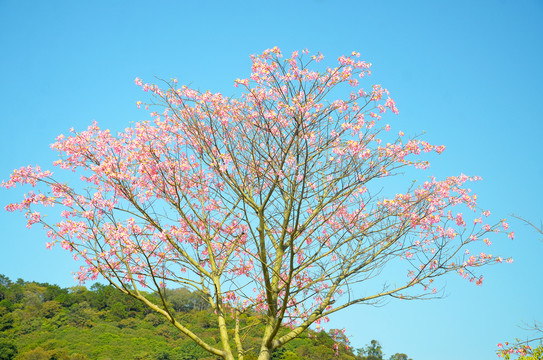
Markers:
point(521, 350)
point(264, 202)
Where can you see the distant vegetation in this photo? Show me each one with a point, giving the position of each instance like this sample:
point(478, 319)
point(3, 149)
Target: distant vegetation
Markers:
point(40, 321)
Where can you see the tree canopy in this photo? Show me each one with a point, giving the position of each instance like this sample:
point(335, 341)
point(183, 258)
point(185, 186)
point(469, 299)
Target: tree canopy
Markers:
point(268, 202)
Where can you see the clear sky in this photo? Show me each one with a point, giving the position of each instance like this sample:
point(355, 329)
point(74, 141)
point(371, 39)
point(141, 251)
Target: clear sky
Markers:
point(468, 73)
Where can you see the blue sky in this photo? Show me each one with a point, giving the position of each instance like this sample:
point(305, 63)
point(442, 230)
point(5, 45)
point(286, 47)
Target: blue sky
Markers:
point(468, 73)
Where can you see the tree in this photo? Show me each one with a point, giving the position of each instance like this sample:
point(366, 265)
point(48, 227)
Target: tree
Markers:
point(524, 352)
point(399, 356)
point(269, 202)
point(8, 349)
point(373, 351)
point(524, 347)
point(536, 354)
point(289, 355)
point(5, 281)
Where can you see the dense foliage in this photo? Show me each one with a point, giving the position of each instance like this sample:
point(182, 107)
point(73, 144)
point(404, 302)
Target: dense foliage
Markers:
point(44, 321)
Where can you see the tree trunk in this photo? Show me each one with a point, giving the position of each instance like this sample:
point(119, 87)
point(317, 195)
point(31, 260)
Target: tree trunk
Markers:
point(264, 354)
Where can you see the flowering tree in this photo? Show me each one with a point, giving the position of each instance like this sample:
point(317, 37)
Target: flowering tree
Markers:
point(267, 203)
point(523, 348)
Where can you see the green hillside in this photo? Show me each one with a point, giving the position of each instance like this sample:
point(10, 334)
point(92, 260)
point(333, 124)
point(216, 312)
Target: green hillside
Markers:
point(42, 321)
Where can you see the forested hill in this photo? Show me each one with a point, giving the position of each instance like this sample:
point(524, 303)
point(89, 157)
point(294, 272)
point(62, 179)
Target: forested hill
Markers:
point(39, 321)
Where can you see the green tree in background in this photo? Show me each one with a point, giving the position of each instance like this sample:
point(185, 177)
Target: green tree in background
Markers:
point(399, 356)
point(51, 323)
point(373, 351)
point(8, 349)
